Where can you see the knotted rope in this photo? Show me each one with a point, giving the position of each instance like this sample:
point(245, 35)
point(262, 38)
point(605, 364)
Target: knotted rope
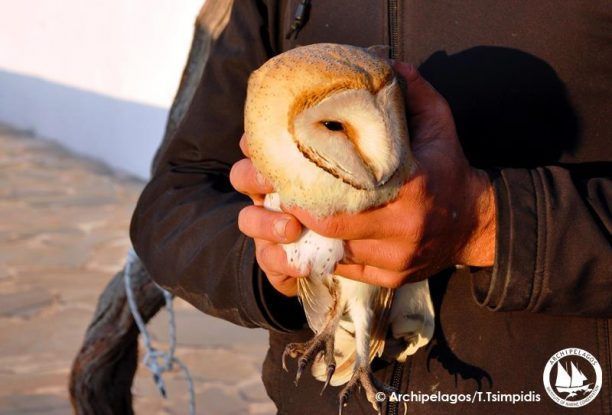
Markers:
point(157, 361)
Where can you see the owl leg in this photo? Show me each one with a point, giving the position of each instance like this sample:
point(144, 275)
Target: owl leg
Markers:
point(322, 342)
point(361, 315)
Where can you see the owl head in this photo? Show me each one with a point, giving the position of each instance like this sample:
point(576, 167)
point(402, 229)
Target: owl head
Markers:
point(326, 125)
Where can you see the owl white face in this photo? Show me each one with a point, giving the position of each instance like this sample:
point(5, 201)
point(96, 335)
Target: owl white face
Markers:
point(326, 125)
point(353, 135)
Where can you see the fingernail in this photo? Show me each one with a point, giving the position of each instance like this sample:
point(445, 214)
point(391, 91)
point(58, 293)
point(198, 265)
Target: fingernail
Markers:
point(280, 227)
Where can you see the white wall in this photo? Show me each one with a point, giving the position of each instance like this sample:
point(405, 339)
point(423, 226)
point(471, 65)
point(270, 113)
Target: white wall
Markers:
point(96, 75)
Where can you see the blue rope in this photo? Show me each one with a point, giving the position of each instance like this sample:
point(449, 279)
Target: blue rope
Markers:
point(157, 361)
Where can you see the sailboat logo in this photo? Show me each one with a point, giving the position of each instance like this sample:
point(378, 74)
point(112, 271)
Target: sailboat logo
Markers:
point(571, 385)
point(576, 379)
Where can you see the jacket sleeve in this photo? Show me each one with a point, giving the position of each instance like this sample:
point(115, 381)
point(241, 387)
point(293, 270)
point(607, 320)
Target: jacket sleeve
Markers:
point(553, 252)
point(184, 227)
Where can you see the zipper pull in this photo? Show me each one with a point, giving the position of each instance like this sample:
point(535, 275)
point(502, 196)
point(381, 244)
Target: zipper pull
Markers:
point(299, 19)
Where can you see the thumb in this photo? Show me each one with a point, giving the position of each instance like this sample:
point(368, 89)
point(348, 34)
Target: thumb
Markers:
point(429, 115)
point(421, 98)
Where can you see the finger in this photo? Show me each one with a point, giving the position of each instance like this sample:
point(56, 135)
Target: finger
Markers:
point(273, 259)
point(362, 225)
point(244, 146)
point(258, 222)
point(376, 253)
point(283, 284)
point(372, 275)
point(245, 179)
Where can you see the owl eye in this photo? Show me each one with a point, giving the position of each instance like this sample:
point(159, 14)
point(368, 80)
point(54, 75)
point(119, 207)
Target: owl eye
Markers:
point(333, 125)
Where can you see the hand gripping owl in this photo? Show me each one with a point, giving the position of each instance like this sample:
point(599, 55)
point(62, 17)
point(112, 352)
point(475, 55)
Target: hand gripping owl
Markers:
point(326, 126)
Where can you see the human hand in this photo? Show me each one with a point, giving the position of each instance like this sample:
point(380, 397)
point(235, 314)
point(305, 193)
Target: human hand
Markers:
point(444, 214)
point(268, 229)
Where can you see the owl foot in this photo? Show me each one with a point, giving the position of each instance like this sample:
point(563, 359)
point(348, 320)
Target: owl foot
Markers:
point(308, 351)
point(364, 378)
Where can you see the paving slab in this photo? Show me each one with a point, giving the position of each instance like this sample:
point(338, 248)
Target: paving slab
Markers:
point(63, 234)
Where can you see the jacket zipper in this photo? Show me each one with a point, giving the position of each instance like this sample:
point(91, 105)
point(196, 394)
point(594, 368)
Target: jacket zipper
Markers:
point(394, 34)
point(300, 15)
point(396, 381)
point(394, 39)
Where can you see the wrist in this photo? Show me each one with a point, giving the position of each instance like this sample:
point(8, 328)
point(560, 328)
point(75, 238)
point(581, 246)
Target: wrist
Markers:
point(479, 248)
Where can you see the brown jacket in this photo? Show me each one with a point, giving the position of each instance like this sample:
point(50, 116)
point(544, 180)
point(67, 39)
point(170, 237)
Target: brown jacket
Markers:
point(530, 88)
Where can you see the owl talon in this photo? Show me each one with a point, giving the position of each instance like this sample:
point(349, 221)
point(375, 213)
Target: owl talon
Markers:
point(363, 378)
point(302, 363)
point(293, 350)
point(308, 351)
point(330, 372)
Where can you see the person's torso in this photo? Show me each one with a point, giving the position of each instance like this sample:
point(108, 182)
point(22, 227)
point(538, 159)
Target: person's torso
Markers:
point(529, 84)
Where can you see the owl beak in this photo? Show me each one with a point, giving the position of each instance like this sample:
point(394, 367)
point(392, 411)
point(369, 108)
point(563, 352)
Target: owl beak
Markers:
point(379, 176)
point(377, 171)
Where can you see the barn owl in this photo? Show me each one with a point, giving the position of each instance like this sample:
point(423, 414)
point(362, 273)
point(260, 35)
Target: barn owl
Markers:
point(326, 126)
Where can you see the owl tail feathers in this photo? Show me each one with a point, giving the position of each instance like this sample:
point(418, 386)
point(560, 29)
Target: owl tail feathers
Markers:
point(412, 318)
point(415, 341)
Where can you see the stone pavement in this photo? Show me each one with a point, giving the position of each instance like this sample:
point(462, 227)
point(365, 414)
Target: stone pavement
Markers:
point(63, 235)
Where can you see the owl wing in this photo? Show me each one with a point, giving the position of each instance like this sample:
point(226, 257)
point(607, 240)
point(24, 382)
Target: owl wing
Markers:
point(381, 309)
point(316, 297)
